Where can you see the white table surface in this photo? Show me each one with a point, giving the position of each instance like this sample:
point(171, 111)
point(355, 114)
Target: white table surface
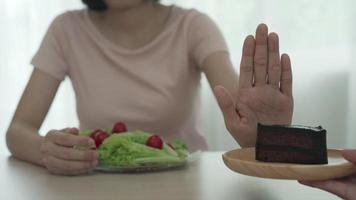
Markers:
point(208, 178)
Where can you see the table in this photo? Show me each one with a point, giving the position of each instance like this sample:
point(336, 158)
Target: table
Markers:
point(208, 178)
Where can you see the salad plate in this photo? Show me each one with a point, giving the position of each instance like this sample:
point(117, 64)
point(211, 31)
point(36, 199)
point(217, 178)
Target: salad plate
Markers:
point(151, 167)
point(123, 151)
point(142, 168)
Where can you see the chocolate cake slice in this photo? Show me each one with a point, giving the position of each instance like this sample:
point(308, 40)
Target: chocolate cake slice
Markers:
point(291, 144)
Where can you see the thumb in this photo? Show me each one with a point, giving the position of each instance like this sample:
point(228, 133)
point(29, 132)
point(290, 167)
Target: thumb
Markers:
point(350, 155)
point(245, 113)
point(226, 103)
point(73, 131)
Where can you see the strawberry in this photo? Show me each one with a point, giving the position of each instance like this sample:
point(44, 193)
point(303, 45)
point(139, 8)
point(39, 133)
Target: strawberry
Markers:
point(119, 127)
point(155, 141)
point(99, 136)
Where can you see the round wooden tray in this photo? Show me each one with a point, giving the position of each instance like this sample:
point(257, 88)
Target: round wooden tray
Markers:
point(243, 161)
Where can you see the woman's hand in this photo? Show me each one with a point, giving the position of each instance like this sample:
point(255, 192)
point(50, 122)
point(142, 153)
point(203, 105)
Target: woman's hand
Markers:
point(265, 89)
point(60, 156)
point(345, 187)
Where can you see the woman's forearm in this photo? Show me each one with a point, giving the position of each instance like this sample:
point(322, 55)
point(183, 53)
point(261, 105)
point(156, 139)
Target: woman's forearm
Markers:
point(24, 143)
point(22, 137)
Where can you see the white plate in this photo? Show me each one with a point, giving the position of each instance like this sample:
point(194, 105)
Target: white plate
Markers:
point(136, 169)
point(150, 167)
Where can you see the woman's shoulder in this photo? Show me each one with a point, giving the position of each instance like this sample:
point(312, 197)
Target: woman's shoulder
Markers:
point(70, 14)
point(68, 18)
point(189, 17)
point(187, 12)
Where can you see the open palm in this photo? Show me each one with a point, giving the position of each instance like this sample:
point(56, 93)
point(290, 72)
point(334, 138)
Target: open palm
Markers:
point(265, 88)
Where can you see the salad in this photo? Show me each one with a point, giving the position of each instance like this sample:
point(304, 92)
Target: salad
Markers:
point(118, 147)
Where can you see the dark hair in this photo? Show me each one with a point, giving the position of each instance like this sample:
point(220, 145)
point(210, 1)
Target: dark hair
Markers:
point(99, 5)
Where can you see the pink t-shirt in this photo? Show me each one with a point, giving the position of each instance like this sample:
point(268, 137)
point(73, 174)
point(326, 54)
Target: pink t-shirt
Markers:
point(153, 88)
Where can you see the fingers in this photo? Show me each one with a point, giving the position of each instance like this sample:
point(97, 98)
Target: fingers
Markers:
point(69, 140)
point(260, 58)
point(60, 156)
point(350, 155)
point(268, 66)
point(73, 131)
point(286, 76)
point(68, 153)
point(274, 65)
point(246, 66)
point(65, 167)
point(343, 189)
point(227, 106)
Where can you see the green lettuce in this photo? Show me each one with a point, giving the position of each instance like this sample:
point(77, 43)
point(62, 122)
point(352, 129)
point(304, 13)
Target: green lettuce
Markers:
point(129, 149)
point(86, 133)
point(181, 148)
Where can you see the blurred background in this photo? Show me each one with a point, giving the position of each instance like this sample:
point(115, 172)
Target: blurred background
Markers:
point(319, 35)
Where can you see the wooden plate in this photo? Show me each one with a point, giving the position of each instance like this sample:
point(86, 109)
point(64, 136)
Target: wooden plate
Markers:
point(243, 161)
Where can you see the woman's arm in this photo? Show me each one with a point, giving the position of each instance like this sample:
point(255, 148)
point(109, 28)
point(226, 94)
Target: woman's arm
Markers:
point(22, 136)
point(220, 71)
point(56, 150)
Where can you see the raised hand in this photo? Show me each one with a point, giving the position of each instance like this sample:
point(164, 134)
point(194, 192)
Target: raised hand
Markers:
point(345, 187)
point(265, 83)
point(265, 88)
point(60, 157)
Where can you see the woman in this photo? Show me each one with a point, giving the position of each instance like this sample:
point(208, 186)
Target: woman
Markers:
point(140, 62)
